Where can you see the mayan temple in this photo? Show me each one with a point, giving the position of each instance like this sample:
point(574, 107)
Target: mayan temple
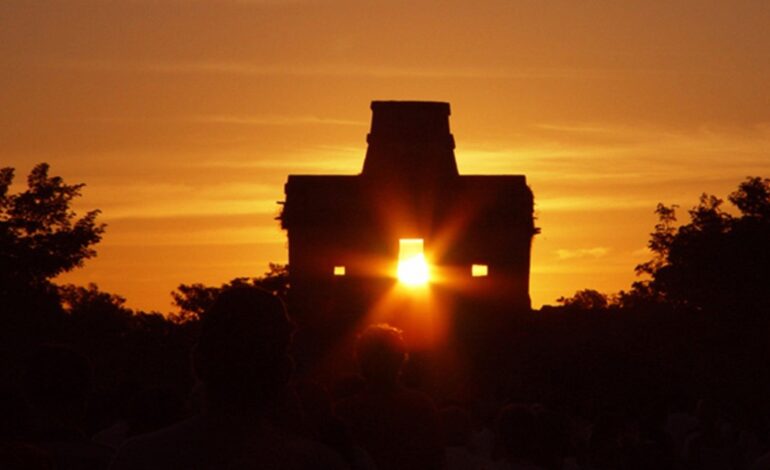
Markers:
point(347, 233)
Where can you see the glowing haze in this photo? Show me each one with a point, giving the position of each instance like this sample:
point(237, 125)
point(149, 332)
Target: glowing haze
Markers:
point(185, 117)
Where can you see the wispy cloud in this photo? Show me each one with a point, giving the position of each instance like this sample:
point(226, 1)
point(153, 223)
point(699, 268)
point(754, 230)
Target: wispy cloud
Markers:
point(201, 235)
point(601, 151)
point(579, 128)
point(274, 120)
point(311, 160)
point(176, 200)
point(595, 252)
point(599, 202)
point(641, 253)
point(243, 120)
point(342, 70)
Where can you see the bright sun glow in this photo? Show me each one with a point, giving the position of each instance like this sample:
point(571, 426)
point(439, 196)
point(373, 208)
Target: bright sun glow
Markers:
point(412, 266)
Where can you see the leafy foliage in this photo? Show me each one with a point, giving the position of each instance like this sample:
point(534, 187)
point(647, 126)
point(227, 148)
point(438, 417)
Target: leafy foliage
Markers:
point(89, 304)
point(194, 299)
point(717, 261)
point(586, 299)
point(660, 239)
point(40, 235)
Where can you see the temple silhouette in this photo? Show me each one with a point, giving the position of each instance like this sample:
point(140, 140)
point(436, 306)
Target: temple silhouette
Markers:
point(346, 232)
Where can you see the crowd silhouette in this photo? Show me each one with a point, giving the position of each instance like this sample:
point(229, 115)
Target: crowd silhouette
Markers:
point(670, 375)
point(249, 408)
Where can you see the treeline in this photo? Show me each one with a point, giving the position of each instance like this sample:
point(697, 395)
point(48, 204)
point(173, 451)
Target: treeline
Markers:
point(696, 324)
point(717, 263)
point(130, 351)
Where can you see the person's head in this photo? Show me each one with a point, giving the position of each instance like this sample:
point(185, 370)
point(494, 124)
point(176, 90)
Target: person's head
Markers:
point(707, 413)
point(456, 427)
point(381, 354)
point(153, 408)
point(57, 380)
point(517, 431)
point(242, 353)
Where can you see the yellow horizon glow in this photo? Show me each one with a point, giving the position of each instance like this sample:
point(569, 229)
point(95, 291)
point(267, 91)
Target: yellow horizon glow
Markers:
point(413, 268)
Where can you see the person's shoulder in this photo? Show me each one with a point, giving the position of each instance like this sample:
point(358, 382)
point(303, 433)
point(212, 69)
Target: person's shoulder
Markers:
point(352, 404)
point(310, 454)
point(188, 429)
point(175, 443)
point(274, 447)
point(78, 453)
point(416, 398)
point(762, 463)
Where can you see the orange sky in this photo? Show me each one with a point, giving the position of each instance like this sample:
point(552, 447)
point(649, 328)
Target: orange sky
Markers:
point(184, 117)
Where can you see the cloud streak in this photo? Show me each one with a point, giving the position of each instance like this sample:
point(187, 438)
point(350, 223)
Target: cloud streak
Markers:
point(595, 252)
point(241, 120)
point(274, 120)
point(243, 68)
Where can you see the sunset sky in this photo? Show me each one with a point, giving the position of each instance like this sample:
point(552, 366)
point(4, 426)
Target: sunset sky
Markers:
point(184, 118)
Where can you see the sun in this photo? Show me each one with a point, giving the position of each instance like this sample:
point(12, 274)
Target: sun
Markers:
point(412, 266)
point(413, 271)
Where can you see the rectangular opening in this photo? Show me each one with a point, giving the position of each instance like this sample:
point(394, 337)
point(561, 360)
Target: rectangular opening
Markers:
point(339, 270)
point(412, 266)
point(479, 270)
point(409, 248)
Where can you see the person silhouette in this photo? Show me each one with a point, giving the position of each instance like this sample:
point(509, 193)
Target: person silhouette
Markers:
point(243, 363)
point(57, 383)
point(517, 433)
point(397, 426)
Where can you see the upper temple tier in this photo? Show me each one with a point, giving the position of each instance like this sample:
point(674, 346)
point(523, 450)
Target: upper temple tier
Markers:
point(347, 233)
point(410, 139)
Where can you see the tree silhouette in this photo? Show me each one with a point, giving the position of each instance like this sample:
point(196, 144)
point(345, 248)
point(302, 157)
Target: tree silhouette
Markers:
point(585, 299)
point(40, 235)
point(89, 306)
point(131, 347)
point(194, 299)
point(40, 238)
point(717, 261)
